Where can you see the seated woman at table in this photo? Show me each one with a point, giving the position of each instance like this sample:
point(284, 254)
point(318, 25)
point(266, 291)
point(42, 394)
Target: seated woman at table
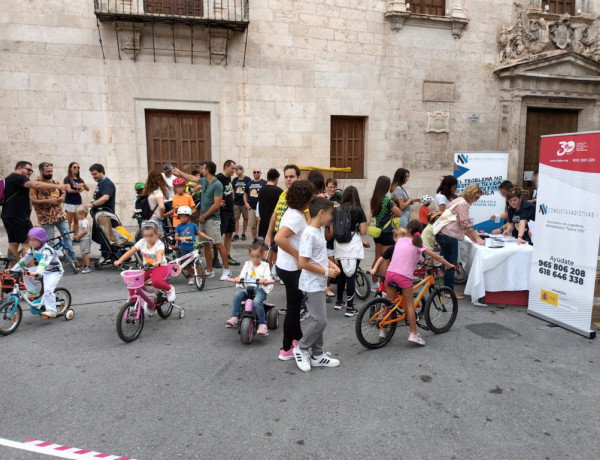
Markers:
point(455, 230)
point(520, 212)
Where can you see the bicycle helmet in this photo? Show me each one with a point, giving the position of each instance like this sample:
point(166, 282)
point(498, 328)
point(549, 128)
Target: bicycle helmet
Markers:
point(426, 199)
point(139, 186)
point(38, 233)
point(178, 181)
point(184, 210)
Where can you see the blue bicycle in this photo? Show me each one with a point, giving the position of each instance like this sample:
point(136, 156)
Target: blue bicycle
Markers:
point(59, 245)
point(11, 313)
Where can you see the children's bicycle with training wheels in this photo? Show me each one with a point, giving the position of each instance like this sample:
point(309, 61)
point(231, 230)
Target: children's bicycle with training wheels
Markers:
point(377, 320)
point(248, 318)
point(11, 313)
point(195, 258)
point(130, 319)
point(58, 245)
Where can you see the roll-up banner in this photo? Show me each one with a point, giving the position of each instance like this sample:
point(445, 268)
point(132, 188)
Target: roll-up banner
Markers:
point(567, 228)
point(488, 170)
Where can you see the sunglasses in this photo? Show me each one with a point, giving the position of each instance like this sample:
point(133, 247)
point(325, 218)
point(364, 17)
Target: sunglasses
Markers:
point(256, 172)
point(75, 167)
point(46, 164)
point(29, 170)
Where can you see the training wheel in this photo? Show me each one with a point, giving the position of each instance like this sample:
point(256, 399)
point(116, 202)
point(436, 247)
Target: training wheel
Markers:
point(182, 313)
point(69, 314)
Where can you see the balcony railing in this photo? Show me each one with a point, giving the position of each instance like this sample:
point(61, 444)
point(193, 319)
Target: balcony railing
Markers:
point(231, 14)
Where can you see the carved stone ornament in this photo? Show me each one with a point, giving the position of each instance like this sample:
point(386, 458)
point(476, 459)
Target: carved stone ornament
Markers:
point(130, 35)
point(538, 33)
point(218, 46)
point(398, 13)
point(438, 122)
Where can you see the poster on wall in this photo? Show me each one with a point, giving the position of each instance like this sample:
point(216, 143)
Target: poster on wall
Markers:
point(488, 170)
point(567, 228)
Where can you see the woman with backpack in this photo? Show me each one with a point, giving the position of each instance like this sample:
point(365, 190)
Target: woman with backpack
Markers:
point(383, 209)
point(154, 193)
point(349, 225)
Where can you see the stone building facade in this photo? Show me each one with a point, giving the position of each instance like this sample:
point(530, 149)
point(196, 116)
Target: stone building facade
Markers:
point(378, 84)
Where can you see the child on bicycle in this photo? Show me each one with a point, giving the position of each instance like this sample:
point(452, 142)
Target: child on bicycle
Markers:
point(407, 252)
point(153, 253)
point(384, 261)
point(48, 268)
point(254, 269)
point(186, 233)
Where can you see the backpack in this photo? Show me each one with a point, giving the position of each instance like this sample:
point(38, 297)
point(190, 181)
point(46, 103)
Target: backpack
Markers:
point(433, 216)
point(342, 228)
point(142, 208)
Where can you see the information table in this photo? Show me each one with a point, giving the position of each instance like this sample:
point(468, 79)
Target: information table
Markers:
point(500, 275)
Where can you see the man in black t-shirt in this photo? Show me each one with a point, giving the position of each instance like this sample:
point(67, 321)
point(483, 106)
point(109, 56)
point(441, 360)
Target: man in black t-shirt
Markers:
point(240, 205)
point(251, 199)
point(104, 197)
point(17, 206)
point(268, 196)
point(227, 216)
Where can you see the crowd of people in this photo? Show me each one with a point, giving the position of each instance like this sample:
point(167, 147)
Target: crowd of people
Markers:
point(315, 233)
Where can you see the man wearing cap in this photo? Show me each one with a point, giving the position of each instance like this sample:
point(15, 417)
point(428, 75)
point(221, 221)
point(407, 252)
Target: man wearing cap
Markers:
point(251, 199)
point(240, 203)
point(168, 176)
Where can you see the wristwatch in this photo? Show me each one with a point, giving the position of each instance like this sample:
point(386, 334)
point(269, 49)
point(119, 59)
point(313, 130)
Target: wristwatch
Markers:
point(93, 204)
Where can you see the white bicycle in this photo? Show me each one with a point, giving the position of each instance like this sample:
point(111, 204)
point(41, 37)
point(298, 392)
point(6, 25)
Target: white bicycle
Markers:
point(196, 258)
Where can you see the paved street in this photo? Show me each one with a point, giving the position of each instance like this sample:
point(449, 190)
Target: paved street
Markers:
point(500, 384)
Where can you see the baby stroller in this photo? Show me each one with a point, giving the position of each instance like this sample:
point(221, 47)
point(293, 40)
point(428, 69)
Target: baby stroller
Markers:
point(119, 242)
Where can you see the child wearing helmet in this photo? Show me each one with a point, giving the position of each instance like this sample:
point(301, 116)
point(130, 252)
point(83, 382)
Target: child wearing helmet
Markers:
point(48, 268)
point(139, 188)
point(181, 198)
point(186, 233)
point(426, 201)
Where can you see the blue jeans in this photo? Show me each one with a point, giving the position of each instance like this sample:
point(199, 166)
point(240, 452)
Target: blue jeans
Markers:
point(63, 227)
point(404, 218)
point(259, 298)
point(449, 252)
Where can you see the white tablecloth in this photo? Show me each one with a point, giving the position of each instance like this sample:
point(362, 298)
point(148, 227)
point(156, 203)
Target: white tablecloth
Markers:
point(494, 270)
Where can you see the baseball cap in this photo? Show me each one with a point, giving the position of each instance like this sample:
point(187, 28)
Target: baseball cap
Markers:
point(167, 167)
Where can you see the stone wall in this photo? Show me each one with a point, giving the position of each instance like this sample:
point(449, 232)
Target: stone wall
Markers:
point(305, 61)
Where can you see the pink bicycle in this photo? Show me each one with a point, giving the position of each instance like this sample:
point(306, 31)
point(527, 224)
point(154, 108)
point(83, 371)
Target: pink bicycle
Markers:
point(130, 320)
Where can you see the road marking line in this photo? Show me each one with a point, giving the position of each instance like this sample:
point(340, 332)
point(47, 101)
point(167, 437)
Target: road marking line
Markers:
point(57, 450)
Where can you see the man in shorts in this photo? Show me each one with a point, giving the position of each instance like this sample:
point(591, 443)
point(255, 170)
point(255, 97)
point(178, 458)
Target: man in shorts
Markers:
point(251, 199)
point(227, 213)
point(17, 207)
point(240, 205)
point(210, 215)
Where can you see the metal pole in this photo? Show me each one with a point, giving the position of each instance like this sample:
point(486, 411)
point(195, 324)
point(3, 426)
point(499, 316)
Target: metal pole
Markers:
point(118, 46)
point(153, 47)
point(192, 42)
point(100, 38)
point(173, 30)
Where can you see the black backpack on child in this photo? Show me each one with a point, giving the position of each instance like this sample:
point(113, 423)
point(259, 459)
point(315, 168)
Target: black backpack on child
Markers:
point(142, 208)
point(342, 225)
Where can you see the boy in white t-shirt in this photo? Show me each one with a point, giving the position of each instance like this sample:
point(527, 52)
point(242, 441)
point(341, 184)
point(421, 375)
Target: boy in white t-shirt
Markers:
point(316, 269)
point(84, 239)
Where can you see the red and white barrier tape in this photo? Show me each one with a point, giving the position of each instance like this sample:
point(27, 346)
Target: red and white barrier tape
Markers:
point(58, 450)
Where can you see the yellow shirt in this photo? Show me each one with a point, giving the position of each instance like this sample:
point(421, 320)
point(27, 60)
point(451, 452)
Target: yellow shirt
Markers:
point(281, 208)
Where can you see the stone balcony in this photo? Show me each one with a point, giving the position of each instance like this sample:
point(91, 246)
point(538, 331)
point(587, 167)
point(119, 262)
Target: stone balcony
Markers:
point(231, 15)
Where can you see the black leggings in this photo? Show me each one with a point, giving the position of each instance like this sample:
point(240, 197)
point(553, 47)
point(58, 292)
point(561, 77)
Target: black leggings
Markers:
point(346, 281)
point(291, 325)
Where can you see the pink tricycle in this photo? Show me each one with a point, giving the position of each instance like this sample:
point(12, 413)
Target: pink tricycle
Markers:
point(130, 320)
point(248, 319)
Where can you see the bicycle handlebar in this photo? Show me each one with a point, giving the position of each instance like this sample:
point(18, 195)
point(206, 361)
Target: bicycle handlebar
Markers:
point(255, 282)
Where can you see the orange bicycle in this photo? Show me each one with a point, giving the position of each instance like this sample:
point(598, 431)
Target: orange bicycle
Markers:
point(377, 320)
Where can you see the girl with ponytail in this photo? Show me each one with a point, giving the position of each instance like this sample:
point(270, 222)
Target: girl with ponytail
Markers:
point(407, 253)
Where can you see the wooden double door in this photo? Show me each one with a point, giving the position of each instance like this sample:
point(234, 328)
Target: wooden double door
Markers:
point(541, 122)
point(179, 138)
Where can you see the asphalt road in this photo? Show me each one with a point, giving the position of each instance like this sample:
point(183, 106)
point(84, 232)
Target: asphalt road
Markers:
point(501, 384)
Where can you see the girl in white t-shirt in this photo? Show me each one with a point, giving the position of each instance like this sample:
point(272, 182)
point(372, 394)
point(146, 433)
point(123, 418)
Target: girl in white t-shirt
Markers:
point(287, 238)
point(445, 193)
point(153, 254)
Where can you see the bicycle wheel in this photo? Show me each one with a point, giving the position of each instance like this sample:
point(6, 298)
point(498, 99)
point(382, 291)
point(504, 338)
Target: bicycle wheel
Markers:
point(128, 327)
point(164, 309)
point(441, 309)
point(368, 332)
point(63, 300)
point(70, 262)
point(199, 278)
point(9, 322)
point(363, 286)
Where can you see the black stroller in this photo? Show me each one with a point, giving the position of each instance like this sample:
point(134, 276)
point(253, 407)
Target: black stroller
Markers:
point(104, 220)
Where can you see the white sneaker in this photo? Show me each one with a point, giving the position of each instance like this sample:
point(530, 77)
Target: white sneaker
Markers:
point(416, 338)
point(171, 295)
point(208, 274)
point(52, 314)
point(191, 281)
point(374, 287)
point(325, 360)
point(302, 359)
point(226, 274)
point(147, 311)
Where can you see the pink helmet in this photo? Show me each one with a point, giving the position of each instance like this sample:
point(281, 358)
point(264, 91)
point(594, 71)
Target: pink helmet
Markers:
point(178, 181)
point(39, 234)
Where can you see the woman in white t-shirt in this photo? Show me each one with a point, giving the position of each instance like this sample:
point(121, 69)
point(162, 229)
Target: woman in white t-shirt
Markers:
point(152, 250)
point(287, 238)
point(445, 193)
point(156, 191)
